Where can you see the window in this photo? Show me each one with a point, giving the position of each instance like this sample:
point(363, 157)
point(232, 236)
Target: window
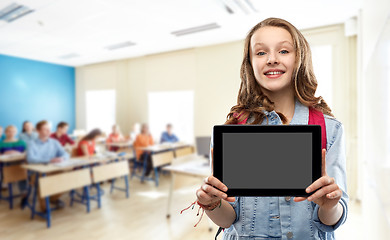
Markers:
point(322, 65)
point(100, 105)
point(175, 107)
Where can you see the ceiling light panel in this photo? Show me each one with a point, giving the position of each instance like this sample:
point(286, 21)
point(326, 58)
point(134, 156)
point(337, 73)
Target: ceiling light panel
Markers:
point(196, 29)
point(14, 11)
point(119, 45)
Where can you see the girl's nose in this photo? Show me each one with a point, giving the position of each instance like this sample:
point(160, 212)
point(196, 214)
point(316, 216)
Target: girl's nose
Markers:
point(272, 59)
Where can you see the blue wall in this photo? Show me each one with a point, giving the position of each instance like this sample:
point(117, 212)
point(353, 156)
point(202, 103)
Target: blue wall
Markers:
point(33, 90)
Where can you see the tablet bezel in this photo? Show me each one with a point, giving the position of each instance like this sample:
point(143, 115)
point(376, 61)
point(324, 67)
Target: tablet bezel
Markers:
point(218, 131)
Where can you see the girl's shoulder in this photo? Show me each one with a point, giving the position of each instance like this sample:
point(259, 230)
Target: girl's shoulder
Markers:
point(332, 121)
point(334, 129)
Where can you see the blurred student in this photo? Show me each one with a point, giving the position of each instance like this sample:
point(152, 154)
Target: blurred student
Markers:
point(115, 137)
point(44, 149)
point(28, 132)
point(11, 145)
point(61, 134)
point(86, 146)
point(134, 132)
point(144, 139)
point(168, 135)
point(2, 136)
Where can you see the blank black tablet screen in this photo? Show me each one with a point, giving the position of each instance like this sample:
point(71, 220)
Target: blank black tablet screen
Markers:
point(267, 160)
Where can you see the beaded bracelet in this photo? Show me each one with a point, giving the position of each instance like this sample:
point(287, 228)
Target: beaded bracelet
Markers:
point(210, 207)
point(203, 207)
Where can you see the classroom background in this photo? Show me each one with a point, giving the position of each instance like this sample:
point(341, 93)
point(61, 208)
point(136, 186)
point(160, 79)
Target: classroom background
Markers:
point(171, 69)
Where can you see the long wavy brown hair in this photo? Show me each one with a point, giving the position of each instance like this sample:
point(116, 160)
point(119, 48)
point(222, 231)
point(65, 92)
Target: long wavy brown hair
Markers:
point(252, 101)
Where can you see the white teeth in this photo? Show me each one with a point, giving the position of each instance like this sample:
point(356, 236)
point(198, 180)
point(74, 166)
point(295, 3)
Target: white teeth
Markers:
point(273, 73)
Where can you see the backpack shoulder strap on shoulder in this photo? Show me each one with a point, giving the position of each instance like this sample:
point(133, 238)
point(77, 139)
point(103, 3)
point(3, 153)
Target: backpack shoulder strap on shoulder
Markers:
point(238, 115)
point(317, 118)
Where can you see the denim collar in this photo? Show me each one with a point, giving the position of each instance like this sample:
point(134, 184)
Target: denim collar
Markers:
point(301, 113)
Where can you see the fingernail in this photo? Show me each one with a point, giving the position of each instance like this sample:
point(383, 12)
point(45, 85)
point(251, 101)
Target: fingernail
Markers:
point(224, 195)
point(307, 189)
point(225, 188)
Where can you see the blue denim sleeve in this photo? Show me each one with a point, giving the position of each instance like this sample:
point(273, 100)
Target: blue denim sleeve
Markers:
point(335, 167)
point(236, 207)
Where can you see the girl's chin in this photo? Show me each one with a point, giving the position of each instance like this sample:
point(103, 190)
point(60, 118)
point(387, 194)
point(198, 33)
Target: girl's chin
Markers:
point(274, 86)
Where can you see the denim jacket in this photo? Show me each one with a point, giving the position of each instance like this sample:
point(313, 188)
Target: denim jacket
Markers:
point(280, 217)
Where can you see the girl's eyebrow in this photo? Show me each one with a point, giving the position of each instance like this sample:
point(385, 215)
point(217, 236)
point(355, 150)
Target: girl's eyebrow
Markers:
point(279, 43)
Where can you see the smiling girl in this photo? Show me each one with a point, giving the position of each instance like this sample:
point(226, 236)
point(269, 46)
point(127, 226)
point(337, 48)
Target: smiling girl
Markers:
point(278, 87)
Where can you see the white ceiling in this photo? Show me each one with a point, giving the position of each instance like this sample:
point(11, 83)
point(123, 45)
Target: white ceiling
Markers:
point(86, 27)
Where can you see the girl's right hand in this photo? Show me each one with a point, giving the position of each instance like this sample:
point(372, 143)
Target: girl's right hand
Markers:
point(212, 190)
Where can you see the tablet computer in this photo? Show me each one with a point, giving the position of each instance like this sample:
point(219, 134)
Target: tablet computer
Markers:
point(258, 160)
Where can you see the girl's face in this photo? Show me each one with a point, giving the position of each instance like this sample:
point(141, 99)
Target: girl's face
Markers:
point(273, 58)
point(28, 127)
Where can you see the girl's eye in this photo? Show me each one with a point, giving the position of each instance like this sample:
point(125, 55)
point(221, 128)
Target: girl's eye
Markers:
point(284, 52)
point(261, 53)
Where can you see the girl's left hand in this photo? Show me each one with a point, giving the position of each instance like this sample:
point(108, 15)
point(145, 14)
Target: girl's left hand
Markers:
point(327, 193)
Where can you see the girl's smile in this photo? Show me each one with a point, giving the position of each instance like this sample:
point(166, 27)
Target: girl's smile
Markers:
point(274, 73)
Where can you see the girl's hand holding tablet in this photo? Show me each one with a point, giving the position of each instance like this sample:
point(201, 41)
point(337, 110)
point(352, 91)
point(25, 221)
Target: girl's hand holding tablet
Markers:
point(327, 193)
point(212, 190)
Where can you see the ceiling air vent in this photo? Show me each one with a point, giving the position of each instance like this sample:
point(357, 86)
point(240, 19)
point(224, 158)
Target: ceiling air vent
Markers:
point(120, 45)
point(14, 11)
point(70, 55)
point(195, 29)
point(237, 6)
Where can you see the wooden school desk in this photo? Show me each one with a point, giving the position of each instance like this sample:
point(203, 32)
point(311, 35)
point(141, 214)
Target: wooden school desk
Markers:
point(64, 172)
point(120, 145)
point(154, 149)
point(10, 172)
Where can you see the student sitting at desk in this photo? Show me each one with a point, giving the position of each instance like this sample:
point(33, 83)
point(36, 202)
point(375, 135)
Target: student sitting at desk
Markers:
point(11, 145)
point(115, 137)
point(61, 134)
point(86, 145)
point(28, 132)
point(144, 139)
point(46, 150)
point(168, 136)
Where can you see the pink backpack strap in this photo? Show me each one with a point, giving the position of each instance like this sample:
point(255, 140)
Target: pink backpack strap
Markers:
point(238, 115)
point(317, 118)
